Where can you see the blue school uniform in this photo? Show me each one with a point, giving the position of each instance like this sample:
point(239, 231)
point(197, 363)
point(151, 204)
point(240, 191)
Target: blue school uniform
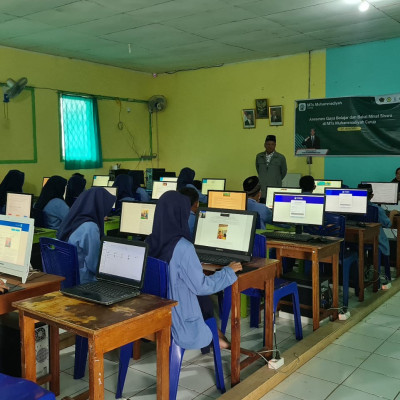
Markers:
point(202, 197)
point(142, 195)
point(192, 222)
point(54, 213)
point(263, 211)
point(384, 220)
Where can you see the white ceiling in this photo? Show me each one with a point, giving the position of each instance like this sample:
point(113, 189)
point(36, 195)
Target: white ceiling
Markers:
point(172, 35)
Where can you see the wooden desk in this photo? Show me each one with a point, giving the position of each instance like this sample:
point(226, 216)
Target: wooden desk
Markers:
point(365, 235)
point(37, 284)
point(316, 252)
point(106, 328)
point(396, 225)
point(261, 278)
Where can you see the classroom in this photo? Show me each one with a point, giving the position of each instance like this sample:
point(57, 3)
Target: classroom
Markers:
point(202, 128)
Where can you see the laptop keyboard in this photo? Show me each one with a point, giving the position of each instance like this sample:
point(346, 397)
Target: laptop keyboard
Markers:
point(292, 237)
point(108, 290)
point(215, 259)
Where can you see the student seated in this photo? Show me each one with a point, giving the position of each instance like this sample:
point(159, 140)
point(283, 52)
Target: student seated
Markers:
point(139, 193)
point(123, 183)
point(170, 241)
point(12, 182)
point(194, 206)
point(185, 179)
point(51, 202)
point(75, 186)
point(396, 179)
point(84, 226)
point(252, 187)
point(307, 184)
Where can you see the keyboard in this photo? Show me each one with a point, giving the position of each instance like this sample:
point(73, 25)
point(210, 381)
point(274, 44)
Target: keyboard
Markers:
point(109, 290)
point(292, 237)
point(215, 259)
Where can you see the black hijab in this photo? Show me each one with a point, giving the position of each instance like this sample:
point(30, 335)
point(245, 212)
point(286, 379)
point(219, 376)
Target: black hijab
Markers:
point(170, 224)
point(124, 184)
point(92, 205)
point(76, 185)
point(185, 177)
point(136, 179)
point(53, 189)
point(12, 182)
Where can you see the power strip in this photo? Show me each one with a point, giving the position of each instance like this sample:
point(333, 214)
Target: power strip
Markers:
point(275, 364)
point(344, 316)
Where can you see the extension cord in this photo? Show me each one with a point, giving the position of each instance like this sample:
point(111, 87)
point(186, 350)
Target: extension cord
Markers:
point(275, 364)
point(386, 286)
point(344, 316)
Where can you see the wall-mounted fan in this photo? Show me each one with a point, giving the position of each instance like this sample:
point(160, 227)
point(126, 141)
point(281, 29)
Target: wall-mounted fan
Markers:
point(12, 89)
point(157, 103)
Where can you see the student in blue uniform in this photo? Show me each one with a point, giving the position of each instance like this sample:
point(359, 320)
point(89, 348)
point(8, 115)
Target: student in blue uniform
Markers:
point(139, 193)
point(75, 186)
point(185, 179)
point(170, 241)
point(12, 182)
point(84, 226)
point(194, 206)
point(252, 187)
point(307, 184)
point(51, 202)
point(124, 184)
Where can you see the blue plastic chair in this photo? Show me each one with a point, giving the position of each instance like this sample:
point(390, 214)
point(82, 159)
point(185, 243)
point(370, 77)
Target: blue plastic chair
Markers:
point(156, 283)
point(61, 258)
point(282, 288)
point(12, 388)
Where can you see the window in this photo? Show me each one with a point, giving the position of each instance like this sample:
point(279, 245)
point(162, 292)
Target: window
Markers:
point(80, 136)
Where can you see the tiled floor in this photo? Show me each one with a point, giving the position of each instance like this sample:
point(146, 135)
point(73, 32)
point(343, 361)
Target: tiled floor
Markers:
point(364, 363)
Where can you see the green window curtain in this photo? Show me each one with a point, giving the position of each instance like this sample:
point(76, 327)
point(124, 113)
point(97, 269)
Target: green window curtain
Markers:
point(80, 125)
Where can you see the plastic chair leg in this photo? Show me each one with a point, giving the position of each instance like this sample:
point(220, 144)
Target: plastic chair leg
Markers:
point(297, 316)
point(81, 352)
point(124, 357)
point(254, 311)
point(226, 308)
point(175, 363)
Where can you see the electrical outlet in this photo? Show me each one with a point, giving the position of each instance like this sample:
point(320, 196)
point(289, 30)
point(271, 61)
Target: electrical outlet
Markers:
point(275, 364)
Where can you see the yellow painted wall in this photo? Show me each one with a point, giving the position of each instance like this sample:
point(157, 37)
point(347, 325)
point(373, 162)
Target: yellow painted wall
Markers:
point(47, 74)
point(202, 126)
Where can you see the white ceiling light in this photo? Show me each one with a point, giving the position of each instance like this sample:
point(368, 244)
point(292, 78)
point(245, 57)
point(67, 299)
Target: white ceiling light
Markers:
point(364, 5)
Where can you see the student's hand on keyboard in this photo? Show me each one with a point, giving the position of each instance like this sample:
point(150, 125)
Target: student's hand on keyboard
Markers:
point(236, 266)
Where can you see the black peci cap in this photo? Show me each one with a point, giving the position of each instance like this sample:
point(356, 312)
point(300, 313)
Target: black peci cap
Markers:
point(251, 185)
point(271, 138)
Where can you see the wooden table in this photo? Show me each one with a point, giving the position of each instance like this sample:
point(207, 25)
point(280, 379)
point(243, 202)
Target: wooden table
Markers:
point(316, 252)
point(396, 225)
point(261, 278)
point(365, 235)
point(105, 327)
point(37, 284)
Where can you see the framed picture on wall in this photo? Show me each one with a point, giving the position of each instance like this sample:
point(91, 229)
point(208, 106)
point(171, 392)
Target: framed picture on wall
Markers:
point(276, 115)
point(261, 108)
point(248, 117)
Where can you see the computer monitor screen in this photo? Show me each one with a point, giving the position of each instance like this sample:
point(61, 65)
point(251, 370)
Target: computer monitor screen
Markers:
point(272, 190)
point(19, 204)
point(227, 200)
point(320, 185)
point(45, 179)
point(100, 180)
point(137, 218)
point(139, 173)
point(212, 184)
point(157, 173)
point(168, 179)
point(160, 188)
point(301, 209)
point(384, 192)
point(114, 192)
point(16, 236)
point(346, 201)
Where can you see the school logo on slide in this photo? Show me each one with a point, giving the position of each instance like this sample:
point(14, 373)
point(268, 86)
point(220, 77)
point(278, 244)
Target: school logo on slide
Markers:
point(302, 107)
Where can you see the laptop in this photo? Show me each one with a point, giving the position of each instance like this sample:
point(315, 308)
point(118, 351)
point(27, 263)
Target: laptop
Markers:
point(120, 273)
point(222, 236)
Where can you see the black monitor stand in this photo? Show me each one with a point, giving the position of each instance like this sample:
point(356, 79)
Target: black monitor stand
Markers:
point(299, 229)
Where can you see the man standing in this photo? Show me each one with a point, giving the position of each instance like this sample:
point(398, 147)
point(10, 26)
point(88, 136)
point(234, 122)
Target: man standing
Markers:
point(271, 166)
point(312, 141)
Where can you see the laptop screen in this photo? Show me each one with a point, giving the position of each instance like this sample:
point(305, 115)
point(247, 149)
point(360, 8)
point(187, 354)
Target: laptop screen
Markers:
point(212, 184)
point(100, 180)
point(384, 192)
point(137, 218)
point(346, 201)
point(320, 185)
point(225, 229)
point(160, 188)
point(168, 179)
point(18, 204)
point(122, 261)
point(227, 200)
point(272, 190)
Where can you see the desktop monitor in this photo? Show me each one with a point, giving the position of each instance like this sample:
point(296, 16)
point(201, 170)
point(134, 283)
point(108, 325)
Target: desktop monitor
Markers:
point(212, 184)
point(346, 201)
point(137, 218)
point(45, 179)
point(272, 190)
point(139, 173)
point(158, 173)
point(384, 192)
point(16, 236)
point(298, 209)
point(168, 179)
point(19, 204)
point(100, 180)
point(321, 184)
point(160, 188)
point(228, 200)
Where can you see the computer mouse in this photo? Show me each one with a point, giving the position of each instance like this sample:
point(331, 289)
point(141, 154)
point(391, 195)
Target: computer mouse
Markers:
point(361, 224)
point(322, 239)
